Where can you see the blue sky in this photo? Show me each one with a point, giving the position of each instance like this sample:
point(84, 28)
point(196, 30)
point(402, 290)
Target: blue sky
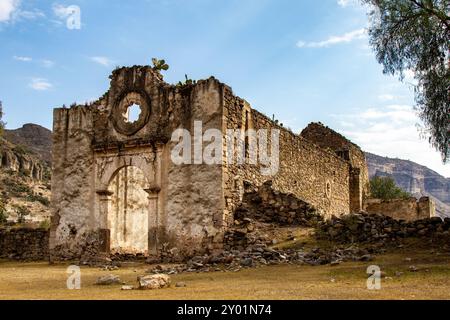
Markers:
point(303, 60)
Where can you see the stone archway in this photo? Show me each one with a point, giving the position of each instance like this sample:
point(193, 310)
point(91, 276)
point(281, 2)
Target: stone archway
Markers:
point(128, 200)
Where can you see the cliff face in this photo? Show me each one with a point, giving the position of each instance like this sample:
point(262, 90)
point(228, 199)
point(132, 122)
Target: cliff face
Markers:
point(24, 175)
point(35, 138)
point(413, 178)
point(19, 159)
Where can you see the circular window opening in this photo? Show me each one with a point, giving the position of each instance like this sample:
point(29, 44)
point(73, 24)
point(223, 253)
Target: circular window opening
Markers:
point(132, 113)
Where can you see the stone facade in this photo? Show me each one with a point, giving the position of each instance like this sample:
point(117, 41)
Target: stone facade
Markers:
point(403, 209)
point(24, 244)
point(344, 148)
point(116, 188)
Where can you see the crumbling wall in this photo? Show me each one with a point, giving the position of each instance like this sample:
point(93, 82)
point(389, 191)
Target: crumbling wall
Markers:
point(24, 243)
point(74, 229)
point(403, 209)
point(329, 139)
point(316, 176)
point(93, 142)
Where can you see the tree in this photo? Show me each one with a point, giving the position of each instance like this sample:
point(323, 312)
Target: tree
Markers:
point(2, 124)
point(414, 35)
point(386, 189)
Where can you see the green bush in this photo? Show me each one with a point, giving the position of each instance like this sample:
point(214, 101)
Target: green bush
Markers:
point(45, 224)
point(385, 188)
point(22, 213)
point(16, 188)
point(3, 213)
point(38, 198)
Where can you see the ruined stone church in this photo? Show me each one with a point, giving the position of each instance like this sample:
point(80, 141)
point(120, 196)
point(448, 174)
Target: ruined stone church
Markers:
point(115, 189)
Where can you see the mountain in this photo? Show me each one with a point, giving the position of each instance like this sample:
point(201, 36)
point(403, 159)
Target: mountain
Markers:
point(35, 138)
point(413, 178)
point(25, 158)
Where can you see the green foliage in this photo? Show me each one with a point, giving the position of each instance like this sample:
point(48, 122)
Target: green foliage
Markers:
point(414, 35)
point(159, 65)
point(187, 81)
point(3, 212)
point(38, 198)
point(386, 189)
point(45, 224)
point(15, 187)
point(21, 149)
point(22, 213)
point(2, 124)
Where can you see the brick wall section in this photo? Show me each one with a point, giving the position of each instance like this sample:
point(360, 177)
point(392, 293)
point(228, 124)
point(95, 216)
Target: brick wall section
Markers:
point(403, 209)
point(305, 169)
point(24, 244)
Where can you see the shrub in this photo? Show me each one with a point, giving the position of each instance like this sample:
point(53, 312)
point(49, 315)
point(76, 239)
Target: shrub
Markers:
point(45, 224)
point(385, 188)
point(3, 213)
point(22, 213)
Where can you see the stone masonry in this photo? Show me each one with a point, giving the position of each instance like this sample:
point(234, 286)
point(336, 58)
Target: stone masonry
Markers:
point(117, 190)
point(403, 209)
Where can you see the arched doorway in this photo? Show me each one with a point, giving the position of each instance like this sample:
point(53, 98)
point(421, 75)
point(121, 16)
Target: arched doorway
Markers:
point(128, 214)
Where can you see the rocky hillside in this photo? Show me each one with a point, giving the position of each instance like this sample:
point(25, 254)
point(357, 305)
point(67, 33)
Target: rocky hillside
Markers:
point(413, 178)
point(25, 171)
point(35, 138)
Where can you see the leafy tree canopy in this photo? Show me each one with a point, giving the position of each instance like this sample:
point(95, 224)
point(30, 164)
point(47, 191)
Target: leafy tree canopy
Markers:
point(414, 35)
point(386, 189)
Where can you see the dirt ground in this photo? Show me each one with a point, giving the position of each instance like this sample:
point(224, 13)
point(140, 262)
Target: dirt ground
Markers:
point(287, 282)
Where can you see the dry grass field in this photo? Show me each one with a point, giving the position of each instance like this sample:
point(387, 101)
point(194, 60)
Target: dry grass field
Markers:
point(345, 281)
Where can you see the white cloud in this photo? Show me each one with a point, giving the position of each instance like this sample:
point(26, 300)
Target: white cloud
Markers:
point(386, 97)
point(61, 11)
point(47, 63)
point(40, 84)
point(346, 3)
point(28, 14)
point(333, 40)
point(104, 61)
point(23, 59)
point(391, 131)
point(7, 8)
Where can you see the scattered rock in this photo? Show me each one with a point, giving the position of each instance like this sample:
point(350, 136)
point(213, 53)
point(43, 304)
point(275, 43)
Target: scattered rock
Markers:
point(180, 285)
point(247, 262)
point(413, 269)
point(125, 288)
point(366, 257)
point(151, 282)
point(108, 280)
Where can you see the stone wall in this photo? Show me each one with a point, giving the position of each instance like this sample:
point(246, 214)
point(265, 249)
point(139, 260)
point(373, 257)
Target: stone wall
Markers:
point(403, 209)
point(373, 228)
point(329, 139)
point(317, 176)
point(24, 244)
point(74, 230)
point(93, 142)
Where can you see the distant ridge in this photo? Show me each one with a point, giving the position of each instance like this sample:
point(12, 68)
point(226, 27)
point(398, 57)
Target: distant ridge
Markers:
point(414, 178)
point(36, 138)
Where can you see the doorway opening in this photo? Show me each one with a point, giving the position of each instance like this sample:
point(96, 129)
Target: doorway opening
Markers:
point(128, 213)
